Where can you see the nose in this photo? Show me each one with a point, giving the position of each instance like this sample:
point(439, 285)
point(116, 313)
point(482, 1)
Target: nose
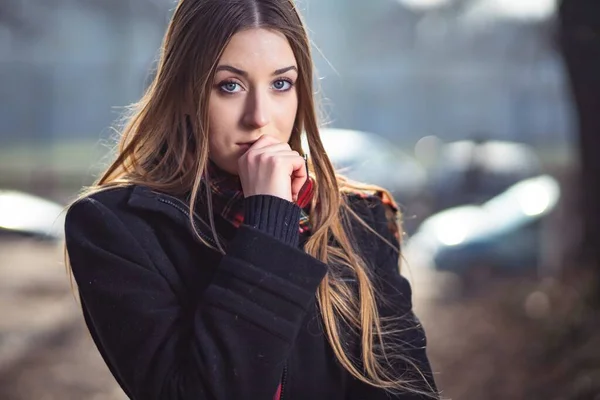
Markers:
point(257, 113)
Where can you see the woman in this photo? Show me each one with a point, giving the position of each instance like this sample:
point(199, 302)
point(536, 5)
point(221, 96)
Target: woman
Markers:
point(212, 261)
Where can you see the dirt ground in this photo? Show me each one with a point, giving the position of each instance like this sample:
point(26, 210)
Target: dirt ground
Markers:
point(517, 340)
point(45, 351)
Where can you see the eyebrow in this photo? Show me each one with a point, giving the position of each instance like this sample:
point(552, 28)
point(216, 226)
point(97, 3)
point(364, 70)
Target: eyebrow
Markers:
point(243, 73)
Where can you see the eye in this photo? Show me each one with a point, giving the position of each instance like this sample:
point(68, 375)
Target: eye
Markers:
point(282, 85)
point(230, 87)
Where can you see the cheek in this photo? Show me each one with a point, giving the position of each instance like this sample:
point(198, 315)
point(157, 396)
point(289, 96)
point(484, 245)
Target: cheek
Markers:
point(216, 141)
point(222, 134)
point(287, 116)
point(220, 124)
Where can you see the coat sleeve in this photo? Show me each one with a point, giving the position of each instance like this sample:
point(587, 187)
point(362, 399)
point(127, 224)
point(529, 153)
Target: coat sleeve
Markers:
point(395, 303)
point(232, 345)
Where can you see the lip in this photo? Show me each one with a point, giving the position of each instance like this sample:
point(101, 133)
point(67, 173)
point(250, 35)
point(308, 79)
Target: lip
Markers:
point(246, 144)
point(244, 147)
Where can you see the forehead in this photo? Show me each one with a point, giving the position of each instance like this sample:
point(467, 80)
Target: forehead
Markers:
point(258, 49)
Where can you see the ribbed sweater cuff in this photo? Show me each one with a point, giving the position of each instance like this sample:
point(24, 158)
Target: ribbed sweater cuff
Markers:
point(275, 216)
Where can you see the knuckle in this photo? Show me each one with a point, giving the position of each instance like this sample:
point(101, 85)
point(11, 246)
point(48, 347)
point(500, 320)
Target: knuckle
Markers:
point(275, 161)
point(263, 157)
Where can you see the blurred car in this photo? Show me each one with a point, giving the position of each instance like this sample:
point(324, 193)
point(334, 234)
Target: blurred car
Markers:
point(23, 214)
point(503, 234)
point(369, 158)
point(474, 171)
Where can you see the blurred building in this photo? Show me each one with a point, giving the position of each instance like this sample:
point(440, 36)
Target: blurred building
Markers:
point(451, 70)
point(67, 68)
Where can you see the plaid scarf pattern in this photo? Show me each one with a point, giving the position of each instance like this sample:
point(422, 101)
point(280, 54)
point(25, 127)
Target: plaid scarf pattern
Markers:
point(228, 197)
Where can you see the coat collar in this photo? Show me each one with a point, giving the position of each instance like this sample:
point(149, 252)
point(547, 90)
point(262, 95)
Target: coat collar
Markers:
point(144, 198)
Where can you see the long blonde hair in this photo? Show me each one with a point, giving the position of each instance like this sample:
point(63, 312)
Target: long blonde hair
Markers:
point(164, 145)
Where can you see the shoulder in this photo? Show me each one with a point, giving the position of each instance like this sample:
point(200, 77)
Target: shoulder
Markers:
point(377, 208)
point(111, 197)
point(100, 207)
point(102, 225)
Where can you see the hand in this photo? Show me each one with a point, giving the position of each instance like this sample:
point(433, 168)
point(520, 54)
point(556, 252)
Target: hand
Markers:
point(271, 167)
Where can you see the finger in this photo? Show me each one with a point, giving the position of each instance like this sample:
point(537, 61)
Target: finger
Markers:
point(263, 144)
point(298, 164)
point(272, 148)
point(295, 165)
point(299, 177)
point(264, 141)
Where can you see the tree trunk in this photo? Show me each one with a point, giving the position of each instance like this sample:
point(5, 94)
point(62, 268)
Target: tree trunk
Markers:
point(580, 43)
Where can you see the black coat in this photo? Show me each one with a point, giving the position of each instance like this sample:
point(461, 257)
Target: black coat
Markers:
point(174, 319)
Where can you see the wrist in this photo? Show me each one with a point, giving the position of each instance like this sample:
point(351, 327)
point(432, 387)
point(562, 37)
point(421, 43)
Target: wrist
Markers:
point(273, 215)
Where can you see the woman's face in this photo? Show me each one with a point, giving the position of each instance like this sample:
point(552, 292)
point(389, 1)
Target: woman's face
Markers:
point(253, 94)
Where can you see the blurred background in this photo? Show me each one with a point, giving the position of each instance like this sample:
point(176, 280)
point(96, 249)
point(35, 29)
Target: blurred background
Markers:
point(481, 116)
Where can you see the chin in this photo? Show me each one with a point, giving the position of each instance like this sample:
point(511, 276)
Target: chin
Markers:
point(233, 170)
point(230, 165)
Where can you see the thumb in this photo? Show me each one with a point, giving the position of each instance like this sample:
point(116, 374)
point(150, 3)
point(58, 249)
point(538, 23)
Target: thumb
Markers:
point(299, 177)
